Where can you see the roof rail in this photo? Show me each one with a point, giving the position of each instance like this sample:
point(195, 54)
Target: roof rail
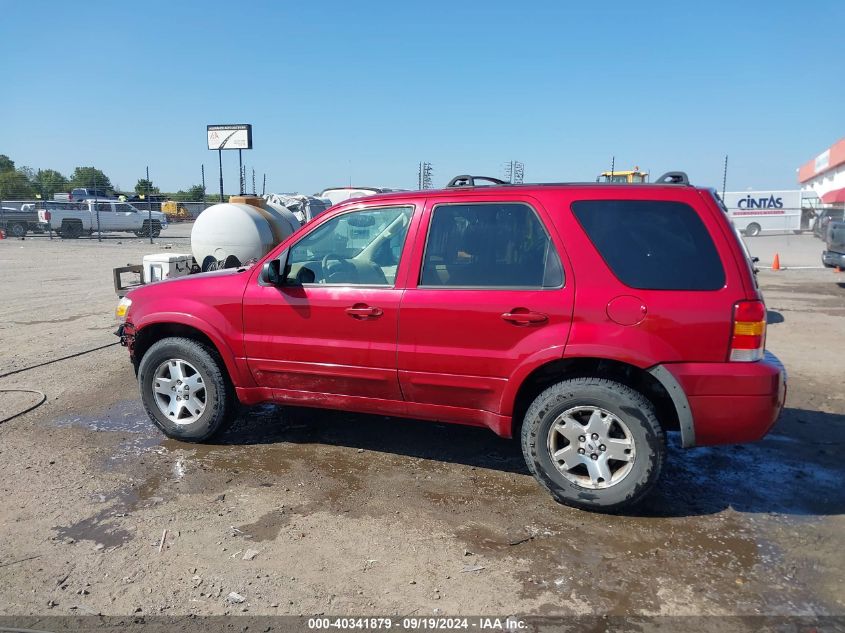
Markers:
point(673, 178)
point(466, 180)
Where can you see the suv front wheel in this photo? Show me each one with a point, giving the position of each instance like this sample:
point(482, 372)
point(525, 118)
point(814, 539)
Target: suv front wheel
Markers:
point(185, 389)
point(593, 443)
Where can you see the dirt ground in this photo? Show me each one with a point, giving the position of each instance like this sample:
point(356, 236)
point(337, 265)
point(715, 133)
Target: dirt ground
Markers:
point(312, 512)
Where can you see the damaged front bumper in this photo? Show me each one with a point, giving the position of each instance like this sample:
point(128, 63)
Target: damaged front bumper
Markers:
point(126, 333)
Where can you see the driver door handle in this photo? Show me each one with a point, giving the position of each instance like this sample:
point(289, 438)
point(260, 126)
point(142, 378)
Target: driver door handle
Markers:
point(363, 311)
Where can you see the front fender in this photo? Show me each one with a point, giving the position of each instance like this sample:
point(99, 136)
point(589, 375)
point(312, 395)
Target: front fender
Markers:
point(222, 338)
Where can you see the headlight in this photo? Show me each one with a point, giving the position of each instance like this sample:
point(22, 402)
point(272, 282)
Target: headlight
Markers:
point(122, 308)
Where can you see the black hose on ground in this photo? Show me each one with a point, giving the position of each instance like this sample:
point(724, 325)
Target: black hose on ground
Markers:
point(56, 360)
point(35, 406)
point(41, 393)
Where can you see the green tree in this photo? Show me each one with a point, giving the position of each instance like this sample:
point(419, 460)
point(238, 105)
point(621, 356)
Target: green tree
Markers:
point(89, 177)
point(197, 192)
point(6, 164)
point(193, 194)
point(145, 186)
point(48, 182)
point(14, 185)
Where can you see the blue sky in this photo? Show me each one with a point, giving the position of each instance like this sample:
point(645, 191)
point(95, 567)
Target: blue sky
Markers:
point(366, 90)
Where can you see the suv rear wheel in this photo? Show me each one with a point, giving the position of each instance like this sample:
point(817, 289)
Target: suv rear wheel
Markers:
point(185, 389)
point(593, 443)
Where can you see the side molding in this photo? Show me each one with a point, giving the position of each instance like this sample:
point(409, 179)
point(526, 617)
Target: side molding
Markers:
point(679, 398)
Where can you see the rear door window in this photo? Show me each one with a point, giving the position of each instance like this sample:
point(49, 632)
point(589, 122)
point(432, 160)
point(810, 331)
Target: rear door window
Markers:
point(652, 244)
point(489, 245)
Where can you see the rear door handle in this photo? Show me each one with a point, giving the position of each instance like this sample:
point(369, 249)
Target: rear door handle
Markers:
point(524, 317)
point(363, 311)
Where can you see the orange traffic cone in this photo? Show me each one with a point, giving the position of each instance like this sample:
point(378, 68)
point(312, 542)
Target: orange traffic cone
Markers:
point(838, 269)
point(776, 262)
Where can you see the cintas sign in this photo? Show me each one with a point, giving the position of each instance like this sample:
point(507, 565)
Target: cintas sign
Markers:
point(770, 202)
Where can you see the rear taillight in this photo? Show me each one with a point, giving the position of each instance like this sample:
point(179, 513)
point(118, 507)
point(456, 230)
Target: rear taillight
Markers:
point(47, 216)
point(748, 339)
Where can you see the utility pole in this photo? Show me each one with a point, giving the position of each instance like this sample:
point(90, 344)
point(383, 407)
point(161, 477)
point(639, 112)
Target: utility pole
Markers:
point(220, 158)
point(149, 207)
point(514, 172)
point(241, 170)
point(424, 176)
point(97, 207)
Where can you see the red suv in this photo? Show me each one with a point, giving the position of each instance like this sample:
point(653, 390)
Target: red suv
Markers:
point(584, 319)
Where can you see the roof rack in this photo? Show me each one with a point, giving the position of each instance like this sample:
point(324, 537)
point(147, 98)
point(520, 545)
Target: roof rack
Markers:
point(673, 178)
point(466, 180)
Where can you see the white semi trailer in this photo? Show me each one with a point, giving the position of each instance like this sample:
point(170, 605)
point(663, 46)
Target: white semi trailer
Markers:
point(756, 212)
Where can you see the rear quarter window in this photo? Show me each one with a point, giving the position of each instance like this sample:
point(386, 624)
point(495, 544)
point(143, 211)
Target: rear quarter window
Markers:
point(652, 244)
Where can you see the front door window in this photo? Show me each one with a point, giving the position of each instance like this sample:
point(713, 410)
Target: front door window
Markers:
point(360, 248)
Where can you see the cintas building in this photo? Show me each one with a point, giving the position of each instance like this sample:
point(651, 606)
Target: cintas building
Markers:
point(825, 174)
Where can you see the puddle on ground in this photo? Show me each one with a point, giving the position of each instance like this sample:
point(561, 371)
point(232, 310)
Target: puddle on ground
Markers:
point(267, 527)
point(103, 527)
point(125, 416)
point(699, 530)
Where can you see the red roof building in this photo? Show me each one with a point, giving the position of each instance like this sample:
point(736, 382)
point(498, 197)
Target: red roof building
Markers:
point(825, 174)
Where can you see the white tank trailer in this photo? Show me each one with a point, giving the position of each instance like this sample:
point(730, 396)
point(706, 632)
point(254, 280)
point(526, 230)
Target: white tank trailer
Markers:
point(232, 233)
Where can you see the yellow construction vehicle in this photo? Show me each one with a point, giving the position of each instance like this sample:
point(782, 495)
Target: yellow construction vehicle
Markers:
point(628, 176)
point(174, 211)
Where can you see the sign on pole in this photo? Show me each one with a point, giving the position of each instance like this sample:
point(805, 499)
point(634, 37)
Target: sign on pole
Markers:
point(230, 136)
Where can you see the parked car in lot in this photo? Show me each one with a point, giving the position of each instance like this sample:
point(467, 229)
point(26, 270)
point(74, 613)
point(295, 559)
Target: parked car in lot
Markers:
point(584, 320)
point(18, 222)
point(336, 195)
point(75, 219)
point(825, 217)
point(834, 253)
point(82, 193)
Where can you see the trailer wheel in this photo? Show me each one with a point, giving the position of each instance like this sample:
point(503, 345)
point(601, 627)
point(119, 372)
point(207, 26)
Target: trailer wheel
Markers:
point(17, 229)
point(752, 230)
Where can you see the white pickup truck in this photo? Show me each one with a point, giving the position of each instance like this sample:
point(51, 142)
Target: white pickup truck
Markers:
point(74, 219)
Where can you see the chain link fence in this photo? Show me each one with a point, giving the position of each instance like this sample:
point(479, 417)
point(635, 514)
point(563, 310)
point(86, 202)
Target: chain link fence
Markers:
point(113, 219)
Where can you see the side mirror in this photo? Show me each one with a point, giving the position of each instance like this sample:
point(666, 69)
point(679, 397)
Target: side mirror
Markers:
point(276, 270)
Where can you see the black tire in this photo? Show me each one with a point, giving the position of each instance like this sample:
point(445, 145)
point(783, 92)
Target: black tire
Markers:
point(17, 229)
point(220, 402)
point(628, 406)
point(753, 230)
point(71, 230)
point(145, 229)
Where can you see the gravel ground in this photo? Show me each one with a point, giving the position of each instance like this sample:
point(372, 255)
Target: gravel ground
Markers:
point(318, 512)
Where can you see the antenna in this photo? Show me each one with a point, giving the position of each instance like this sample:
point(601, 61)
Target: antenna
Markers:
point(724, 177)
point(612, 167)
